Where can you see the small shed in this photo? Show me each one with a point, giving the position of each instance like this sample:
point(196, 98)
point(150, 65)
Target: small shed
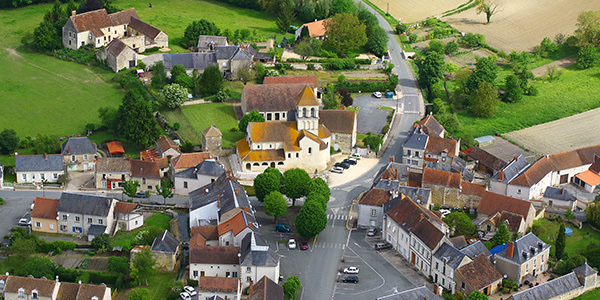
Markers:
point(484, 141)
point(115, 148)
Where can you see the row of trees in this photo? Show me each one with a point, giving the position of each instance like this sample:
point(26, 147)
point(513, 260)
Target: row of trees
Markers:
point(271, 186)
point(9, 142)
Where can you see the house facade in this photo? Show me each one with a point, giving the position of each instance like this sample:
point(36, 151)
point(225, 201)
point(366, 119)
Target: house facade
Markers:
point(126, 218)
point(315, 29)
point(146, 173)
point(492, 203)
point(17, 287)
point(527, 256)
point(214, 261)
point(478, 275)
point(78, 212)
point(43, 215)
point(257, 260)
point(198, 176)
point(342, 124)
point(370, 207)
point(112, 172)
point(166, 249)
point(118, 55)
point(79, 154)
point(447, 189)
point(39, 168)
point(445, 261)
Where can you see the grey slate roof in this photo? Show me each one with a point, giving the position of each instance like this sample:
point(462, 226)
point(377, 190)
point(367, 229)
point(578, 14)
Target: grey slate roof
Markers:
point(26, 163)
point(78, 145)
point(193, 61)
point(419, 195)
point(208, 167)
point(205, 40)
point(84, 204)
point(226, 52)
point(264, 257)
point(513, 169)
point(475, 249)
point(391, 167)
point(419, 293)
point(452, 255)
point(559, 194)
point(416, 141)
point(222, 189)
point(523, 246)
point(550, 289)
point(387, 184)
point(585, 270)
point(165, 242)
point(96, 230)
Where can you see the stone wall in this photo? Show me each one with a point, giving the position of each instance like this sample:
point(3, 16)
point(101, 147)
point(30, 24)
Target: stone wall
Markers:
point(344, 142)
point(165, 262)
point(441, 195)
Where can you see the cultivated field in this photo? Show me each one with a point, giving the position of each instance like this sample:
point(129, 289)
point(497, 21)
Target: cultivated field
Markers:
point(568, 133)
point(416, 10)
point(520, 25)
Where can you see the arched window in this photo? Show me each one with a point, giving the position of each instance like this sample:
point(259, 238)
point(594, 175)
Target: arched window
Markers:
point(280, 163)
point(248, 167)
point(272, 164)
point(309, 150)
point(265, 164)
point(312, 112)
point(304, 113)
point(256, 165)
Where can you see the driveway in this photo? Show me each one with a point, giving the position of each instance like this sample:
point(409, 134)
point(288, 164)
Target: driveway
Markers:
point(370, 117)
point(13, 209)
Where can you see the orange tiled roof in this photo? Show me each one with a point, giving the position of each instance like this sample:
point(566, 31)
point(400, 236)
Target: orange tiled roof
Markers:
point(375, 197)
point(142, 168)
point(310, 79)
point(492, 203)
point(442, 178)
point(235, 224)
point(307, 97)
point(431, 126)
point(124, 207)
point(45, 208)
point(257, 155)
point(197, 240)
point(324, 131)
point(149, 154)
point(165, 143)
point(316, 139)
point(316, 28)
point(208, 232)
point(479, 273)
point(589, 177)
point(468, 188)
point(115, 147)
point(218, 284)
point(438, 145)
point(190, 160)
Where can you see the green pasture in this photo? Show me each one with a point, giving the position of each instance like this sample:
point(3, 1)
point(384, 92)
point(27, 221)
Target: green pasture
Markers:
point(201, 116)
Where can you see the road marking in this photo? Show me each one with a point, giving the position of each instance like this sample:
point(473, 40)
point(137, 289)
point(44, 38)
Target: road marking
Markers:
point(357, 245)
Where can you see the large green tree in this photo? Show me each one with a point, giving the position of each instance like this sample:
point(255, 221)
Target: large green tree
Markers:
point(431, 69)
point(142, 267)
point(295, 184)
point(118, 264)
point(484, 101)
point(253, 116)
point(46, 144)
point(291, 287)
point(197, 28)
point(587, 57)
point(377, 40)
point(588, 29)
point(174, 95)
point(342, 6)
point(8, 141)
point(211, 81)
point(130, 188)
point(139, 294)
point(304, 48)
point(165, 189)
point(275, 205)
point(345, 32)
point(477, 295)
point(513, 91)
point(485, 70)
point(136, 121)
point(159, 75)
point(267, 182)
point(109, 117)
point(560, 243)
point(286, 15)
point(320, 187)
point(488, 7)
point(460, 223)
point(331, 99)
point(38, 266)
point(101, 242)
point(501, 237)
point(311, 219)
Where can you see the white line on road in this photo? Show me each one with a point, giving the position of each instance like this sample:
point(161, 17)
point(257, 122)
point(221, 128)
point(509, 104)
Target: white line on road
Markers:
point(357, 245)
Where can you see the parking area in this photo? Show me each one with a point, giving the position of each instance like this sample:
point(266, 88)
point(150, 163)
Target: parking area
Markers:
point(377, 276)
point(14, 209)
point(370, 117)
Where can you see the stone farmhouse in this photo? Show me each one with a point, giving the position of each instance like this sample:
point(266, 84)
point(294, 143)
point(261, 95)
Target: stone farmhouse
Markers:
point(550, 170)
point(79, 154)
point(229, 59)
point(478, 275)
point(99, 29)
point(17, 287)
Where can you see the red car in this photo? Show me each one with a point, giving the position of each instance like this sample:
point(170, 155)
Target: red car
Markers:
point(304, 246)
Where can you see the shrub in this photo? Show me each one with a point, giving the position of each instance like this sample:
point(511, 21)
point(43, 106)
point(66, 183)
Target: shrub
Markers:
point(1, 201)
point(472, 40)
point(46, 247)
point(310, 66)
point(373, 141)
point(401, 28)
point(339, 64)
point(176, 126)
point(413, 38)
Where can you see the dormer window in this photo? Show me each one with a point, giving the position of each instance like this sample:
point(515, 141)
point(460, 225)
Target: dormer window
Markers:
point(21, 293)
point(94, 298)
point(1, 284)
point(34, 294)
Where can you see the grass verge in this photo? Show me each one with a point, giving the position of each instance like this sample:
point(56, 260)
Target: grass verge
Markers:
point(201, 116)
point(391, 20)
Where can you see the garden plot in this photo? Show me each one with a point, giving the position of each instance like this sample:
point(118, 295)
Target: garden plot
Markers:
point(568, 133)
point(521, 25)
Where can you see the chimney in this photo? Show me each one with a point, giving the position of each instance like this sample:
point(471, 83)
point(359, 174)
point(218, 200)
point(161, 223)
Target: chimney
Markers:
point(219, 201)
point(562, 191)
point(511, 249)
point(46, 157)
point(420, 217)
point(73, 12)
point(69, 149)
point(391, 159)
point(250, 287)
point(56, 278)
point(225, 297)
point(396, 174)
point(237, 191)
point(245, 209)
point(501, 175)
point(516, 158)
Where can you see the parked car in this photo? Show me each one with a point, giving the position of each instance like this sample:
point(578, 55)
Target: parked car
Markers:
point(304, 246)
point(351, 270)
point(282, 228)
point(190, 290)
point(382, 245)
point(356, 156)
point(342, 165)
point(185, 296)
point(292, 244)
point(141, 195)
point(372, 231)
point(350, 161)
point(337, 170)
point(377, 94)
point(24, 222)
point(351, 279)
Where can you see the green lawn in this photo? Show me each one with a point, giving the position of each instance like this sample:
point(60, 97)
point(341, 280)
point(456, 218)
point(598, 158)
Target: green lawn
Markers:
point(186, 131)
point(173, 16)
point(220, 114)
point(575, 243)
point(125, 238)
point(41, 94)
point(576, 91)
point(591, 295)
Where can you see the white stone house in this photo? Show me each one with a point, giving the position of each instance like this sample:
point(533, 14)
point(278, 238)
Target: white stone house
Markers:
point(39, 168)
